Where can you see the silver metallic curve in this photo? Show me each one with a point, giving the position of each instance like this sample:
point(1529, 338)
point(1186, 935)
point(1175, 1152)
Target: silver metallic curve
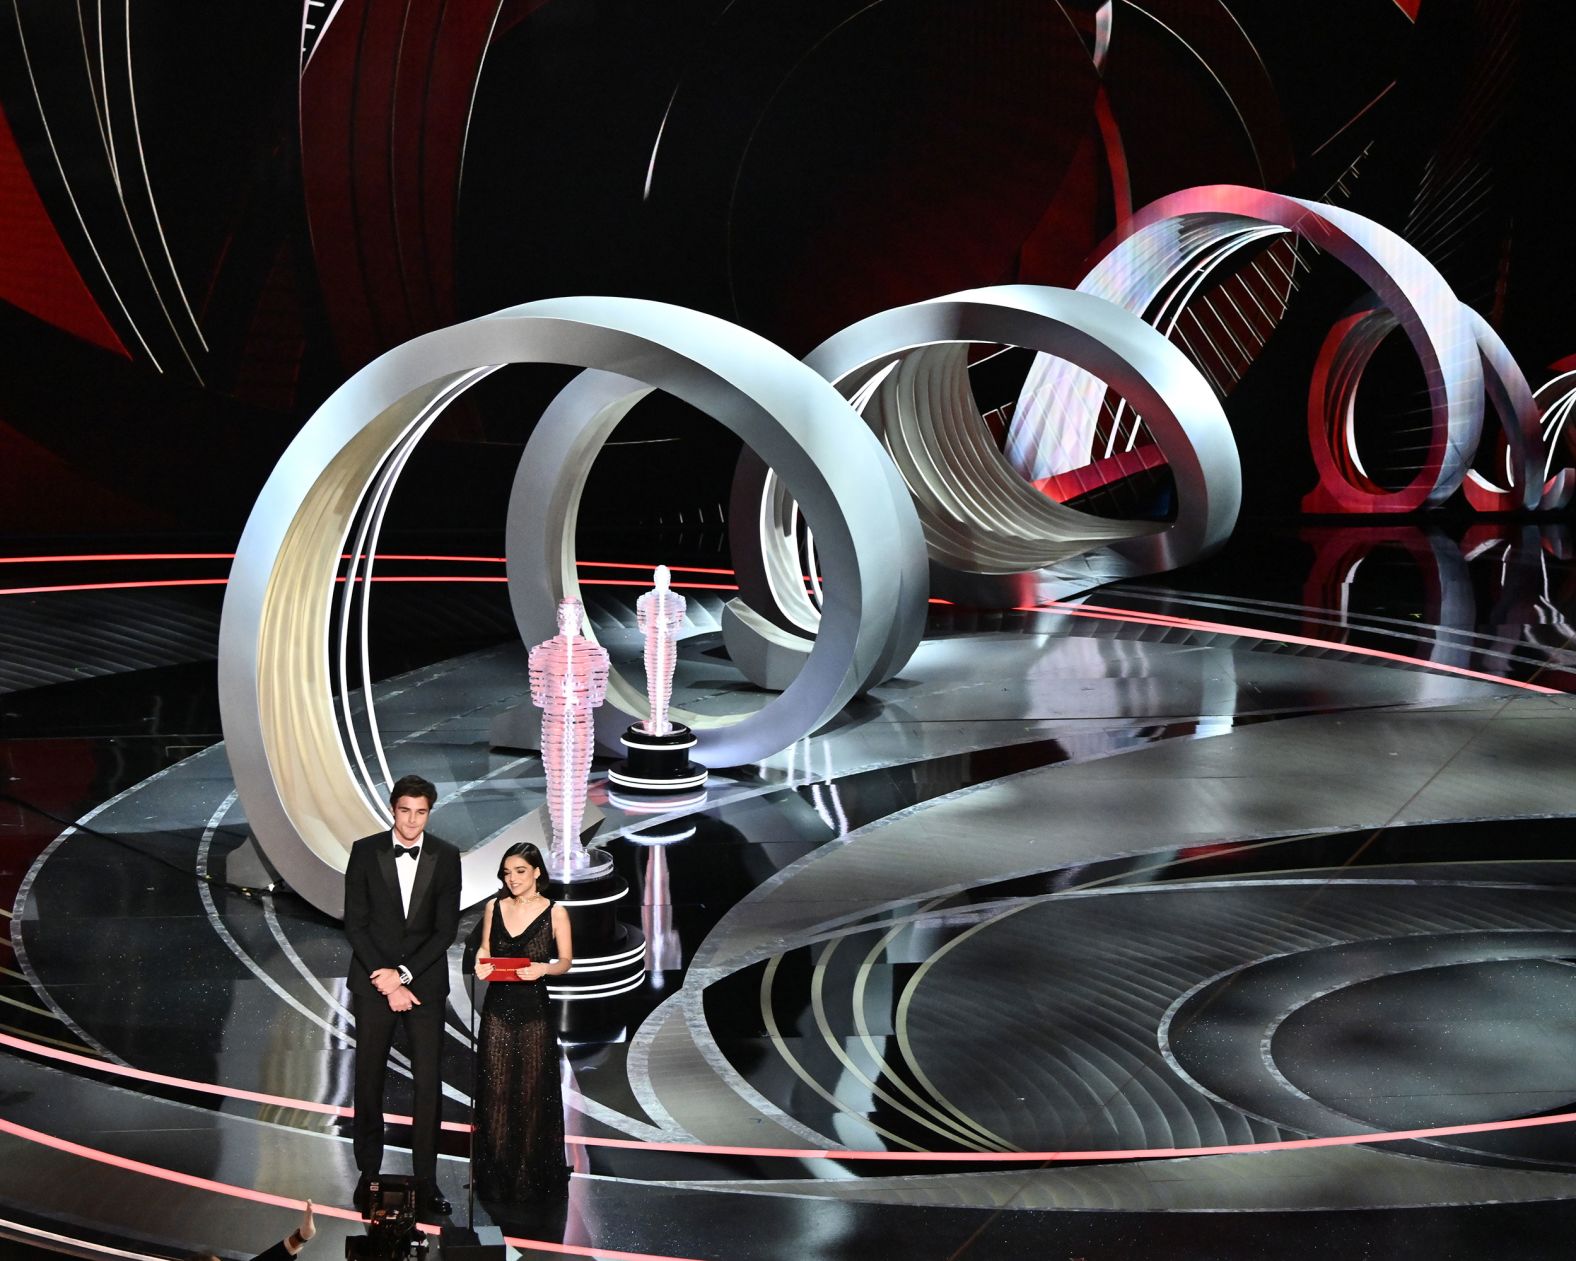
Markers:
point(303, 801)
point(1520, 416)
point(1555, 399)
point(1332, 400)
point(991, 537)
point(1168, 238)
point(359, 576)
point(870, 537)
point(301, 796)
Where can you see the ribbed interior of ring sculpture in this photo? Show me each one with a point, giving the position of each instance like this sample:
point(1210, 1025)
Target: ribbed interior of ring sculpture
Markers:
point(980, 516)
point(978, 512)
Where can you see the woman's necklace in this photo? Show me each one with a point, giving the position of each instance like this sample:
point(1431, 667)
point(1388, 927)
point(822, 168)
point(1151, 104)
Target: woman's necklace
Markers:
point(525, 905)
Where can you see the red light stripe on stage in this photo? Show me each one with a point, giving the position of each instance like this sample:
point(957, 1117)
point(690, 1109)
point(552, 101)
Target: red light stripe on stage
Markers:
point(1098, 612)
point(109, 556)
point(377, 578)
point(464, 560)
point(282, 1201)
point(584, 582)
point(677, 569)
point(798, 1153)
point(580, 564)
point(116, 586)
point(477, 560)
point(646, 582)
point(164, 1079)
point(579, 1250)
point(1102, 613)
point(429, 578)
point(167, 1175)
point(199, 1087)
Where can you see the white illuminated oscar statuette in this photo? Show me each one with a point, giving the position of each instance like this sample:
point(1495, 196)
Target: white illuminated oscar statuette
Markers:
point(658, 749)
point(659, 614)
point(568, 681)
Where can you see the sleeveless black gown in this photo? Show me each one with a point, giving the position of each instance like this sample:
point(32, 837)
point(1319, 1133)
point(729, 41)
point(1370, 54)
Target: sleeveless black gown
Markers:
point(519, 1139)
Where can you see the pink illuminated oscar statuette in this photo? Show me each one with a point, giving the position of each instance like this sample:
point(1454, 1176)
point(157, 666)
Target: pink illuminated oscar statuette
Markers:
point(658, 748)
point(568, 681)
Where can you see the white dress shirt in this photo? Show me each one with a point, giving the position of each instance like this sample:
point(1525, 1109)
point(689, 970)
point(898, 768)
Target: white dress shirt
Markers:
point(405, 869)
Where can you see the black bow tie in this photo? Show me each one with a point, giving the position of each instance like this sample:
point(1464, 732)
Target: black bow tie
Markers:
point(407, 851)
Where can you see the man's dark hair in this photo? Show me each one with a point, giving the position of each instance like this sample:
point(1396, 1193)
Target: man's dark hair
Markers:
point(414, 786)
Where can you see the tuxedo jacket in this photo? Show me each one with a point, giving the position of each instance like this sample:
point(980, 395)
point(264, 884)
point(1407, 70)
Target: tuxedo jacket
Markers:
point(382, 935)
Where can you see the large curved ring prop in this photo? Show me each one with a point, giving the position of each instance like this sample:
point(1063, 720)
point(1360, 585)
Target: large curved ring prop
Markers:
point(1173, 242)
point(1332, 401)
point(992, 538)
point(302, 798)
point(303, 802)
point(871, 546)
point(1511, 397)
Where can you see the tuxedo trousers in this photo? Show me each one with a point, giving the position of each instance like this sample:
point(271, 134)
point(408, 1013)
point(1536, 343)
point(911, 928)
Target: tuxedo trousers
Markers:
point(375, 1024)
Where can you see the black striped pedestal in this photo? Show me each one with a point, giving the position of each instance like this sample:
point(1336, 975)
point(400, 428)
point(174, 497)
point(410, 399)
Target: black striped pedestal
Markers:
point(657, 764)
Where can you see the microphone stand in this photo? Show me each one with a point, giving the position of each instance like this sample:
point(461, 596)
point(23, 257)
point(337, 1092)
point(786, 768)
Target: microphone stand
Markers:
point(468, 959)
point(476, 1052)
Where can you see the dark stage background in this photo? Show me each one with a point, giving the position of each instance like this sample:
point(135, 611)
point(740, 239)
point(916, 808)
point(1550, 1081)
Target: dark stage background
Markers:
point(212, 213)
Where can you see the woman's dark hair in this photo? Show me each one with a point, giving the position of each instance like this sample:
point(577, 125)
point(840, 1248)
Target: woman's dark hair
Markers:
point(414, 786)
point(527, 851)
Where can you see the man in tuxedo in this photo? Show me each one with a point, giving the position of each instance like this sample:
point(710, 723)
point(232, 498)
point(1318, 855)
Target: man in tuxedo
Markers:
point(402, 908)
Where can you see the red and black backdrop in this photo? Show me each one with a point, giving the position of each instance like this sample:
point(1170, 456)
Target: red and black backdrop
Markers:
point(210, 214)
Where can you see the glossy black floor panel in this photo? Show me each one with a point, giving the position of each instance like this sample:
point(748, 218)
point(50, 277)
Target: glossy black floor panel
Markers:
point(1248, 934)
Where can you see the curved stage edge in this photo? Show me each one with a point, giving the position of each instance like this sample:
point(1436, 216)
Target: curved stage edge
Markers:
point(1174, 922)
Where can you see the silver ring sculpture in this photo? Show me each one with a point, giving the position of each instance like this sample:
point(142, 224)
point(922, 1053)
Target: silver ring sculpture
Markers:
point(304, 800)
point(1332, 401)
point(992, 539)
point(872, 546)
point(1164, 254)
point(914, 485)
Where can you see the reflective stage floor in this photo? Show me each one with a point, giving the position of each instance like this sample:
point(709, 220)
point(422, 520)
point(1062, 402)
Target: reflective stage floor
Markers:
point(1228, 914)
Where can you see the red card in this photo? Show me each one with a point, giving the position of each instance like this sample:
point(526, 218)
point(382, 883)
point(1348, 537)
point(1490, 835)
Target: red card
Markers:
point(505, 969)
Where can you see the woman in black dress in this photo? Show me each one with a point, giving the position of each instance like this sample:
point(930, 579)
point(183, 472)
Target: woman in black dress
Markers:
point(519, 1139)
